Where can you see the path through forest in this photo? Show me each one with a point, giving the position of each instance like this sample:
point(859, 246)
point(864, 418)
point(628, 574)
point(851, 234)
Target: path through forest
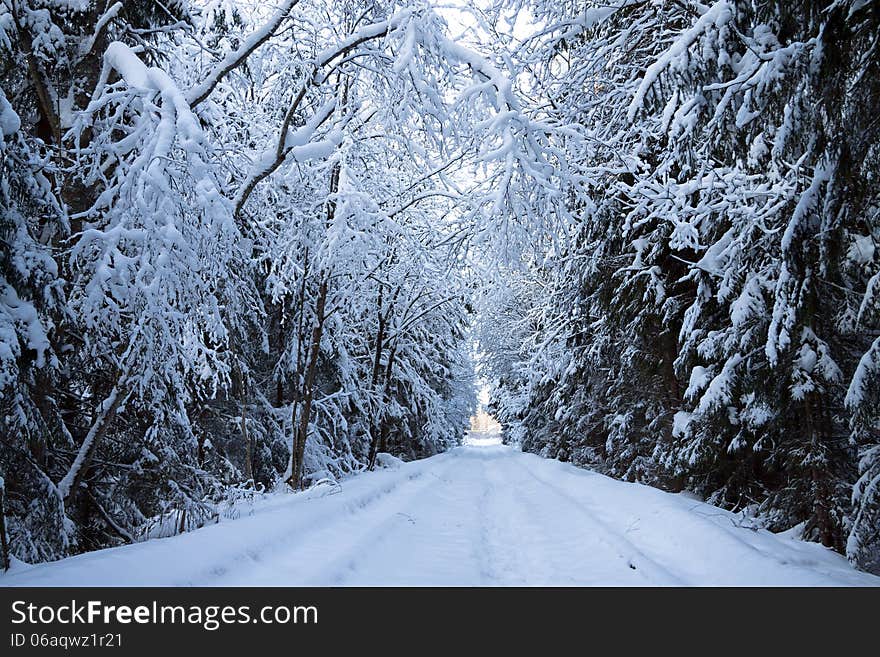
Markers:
point(481, 514)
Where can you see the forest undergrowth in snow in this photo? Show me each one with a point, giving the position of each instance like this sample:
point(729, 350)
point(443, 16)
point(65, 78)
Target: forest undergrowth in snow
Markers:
point(250, 246)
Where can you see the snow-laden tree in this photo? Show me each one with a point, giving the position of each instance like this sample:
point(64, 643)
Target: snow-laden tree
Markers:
point(53, 54)
point(31, 300)
point(233, 262)
point(714, 303)
point(384, 108)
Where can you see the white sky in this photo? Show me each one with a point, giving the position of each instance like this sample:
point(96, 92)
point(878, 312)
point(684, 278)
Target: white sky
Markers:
point(463, 24)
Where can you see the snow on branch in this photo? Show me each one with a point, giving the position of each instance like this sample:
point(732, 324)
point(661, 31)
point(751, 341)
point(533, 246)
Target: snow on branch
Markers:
point(866, 374)
point(102, 23)
point(157, 239)
point(286, 144)
point(139, 76)
point(238, 56)
point(718, 15)
point(417, 29)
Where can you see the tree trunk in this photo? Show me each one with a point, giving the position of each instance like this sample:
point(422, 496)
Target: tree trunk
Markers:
point(300, 361)
point(822, 503)
point(301, 433)
point(379, 439)
point(248, 448)
point(377, 370)
point(245, 435)
point(380, 338)
point(4, 541)
point(302, 423)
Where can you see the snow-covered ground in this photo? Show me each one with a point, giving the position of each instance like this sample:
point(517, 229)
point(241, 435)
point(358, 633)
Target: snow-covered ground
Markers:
point(482, 514)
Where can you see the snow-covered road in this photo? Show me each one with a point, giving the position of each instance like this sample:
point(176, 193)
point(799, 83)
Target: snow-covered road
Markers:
point(482, 514)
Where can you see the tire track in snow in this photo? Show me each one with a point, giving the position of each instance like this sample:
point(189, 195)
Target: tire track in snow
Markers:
point(341, 563)
point(696, 563)
point(512, 538)
point(311, 536)
point(627, 552)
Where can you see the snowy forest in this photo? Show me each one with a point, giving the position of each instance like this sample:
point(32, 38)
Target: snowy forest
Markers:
point(255, 246)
